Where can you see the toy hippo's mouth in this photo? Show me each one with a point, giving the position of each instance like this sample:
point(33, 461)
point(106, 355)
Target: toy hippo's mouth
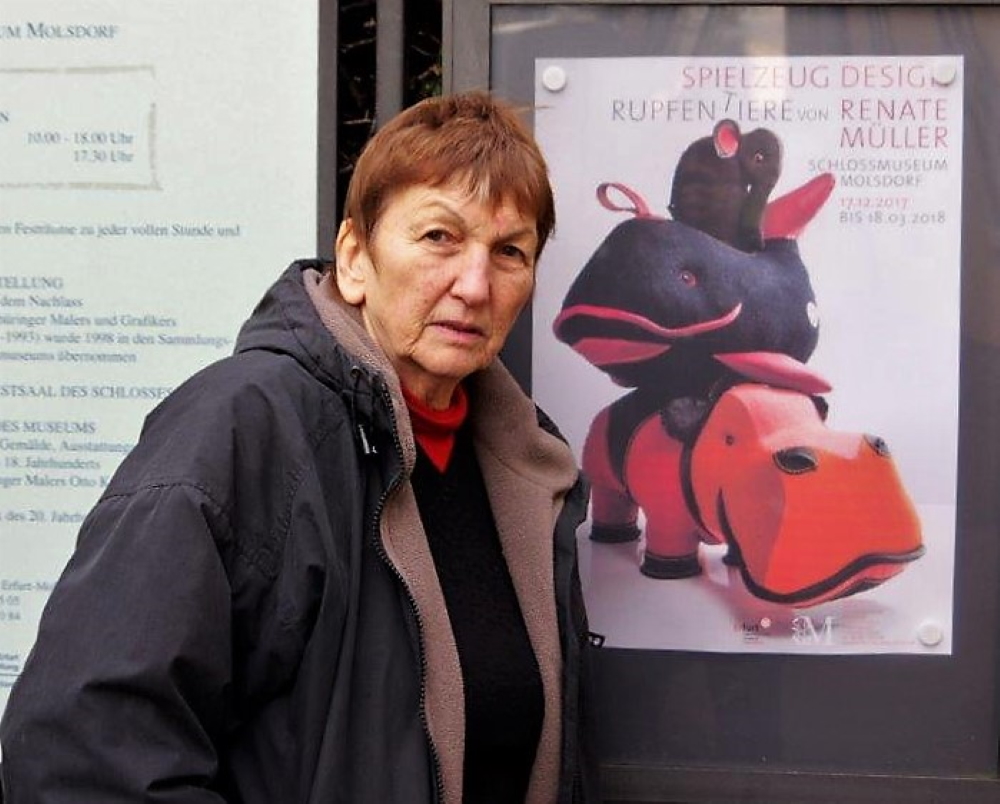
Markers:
point(610, 336)
point(859, 575)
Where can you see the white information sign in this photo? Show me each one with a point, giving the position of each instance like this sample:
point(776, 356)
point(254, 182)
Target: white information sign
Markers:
point(157, 172)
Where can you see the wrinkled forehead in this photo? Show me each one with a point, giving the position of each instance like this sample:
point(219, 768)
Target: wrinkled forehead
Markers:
point(483, 189)
point(461, 197)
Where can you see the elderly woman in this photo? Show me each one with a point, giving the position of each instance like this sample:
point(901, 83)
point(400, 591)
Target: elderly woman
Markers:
point(339, 566)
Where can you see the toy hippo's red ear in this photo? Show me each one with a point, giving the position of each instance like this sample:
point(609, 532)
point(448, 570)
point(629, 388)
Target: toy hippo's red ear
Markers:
point(787, 216)
point(726, 137)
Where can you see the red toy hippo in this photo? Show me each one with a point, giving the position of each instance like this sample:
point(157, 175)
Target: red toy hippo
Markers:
point(808, 513)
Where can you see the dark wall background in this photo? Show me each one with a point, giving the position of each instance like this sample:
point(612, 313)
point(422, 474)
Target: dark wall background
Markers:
point(356, 69)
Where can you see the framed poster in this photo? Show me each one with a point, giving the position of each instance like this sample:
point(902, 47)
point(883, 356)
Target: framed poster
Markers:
point(814, 520)
point(745, 659)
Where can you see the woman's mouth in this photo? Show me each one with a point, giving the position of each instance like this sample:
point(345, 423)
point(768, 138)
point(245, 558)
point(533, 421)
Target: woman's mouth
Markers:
point(460, 329)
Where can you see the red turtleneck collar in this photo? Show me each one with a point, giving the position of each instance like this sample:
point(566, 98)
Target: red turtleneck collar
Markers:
point(435, 429)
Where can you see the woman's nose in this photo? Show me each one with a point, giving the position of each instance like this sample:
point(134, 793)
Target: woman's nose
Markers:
point(472, 282)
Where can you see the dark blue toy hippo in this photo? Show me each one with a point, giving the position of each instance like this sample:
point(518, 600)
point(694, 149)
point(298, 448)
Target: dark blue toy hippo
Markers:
point(662, 305)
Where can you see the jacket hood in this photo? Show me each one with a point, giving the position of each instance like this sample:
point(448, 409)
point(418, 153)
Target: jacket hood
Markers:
point(304, 316)
point(288, 321)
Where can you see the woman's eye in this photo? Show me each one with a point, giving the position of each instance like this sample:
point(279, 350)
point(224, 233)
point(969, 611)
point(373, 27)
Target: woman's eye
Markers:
point(437, 236)
point(513, 252)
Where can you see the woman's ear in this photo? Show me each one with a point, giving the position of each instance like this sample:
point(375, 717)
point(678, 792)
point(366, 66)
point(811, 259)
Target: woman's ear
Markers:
point(350, 258)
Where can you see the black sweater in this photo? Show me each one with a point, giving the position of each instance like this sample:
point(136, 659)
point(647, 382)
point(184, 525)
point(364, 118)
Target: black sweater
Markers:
point(503, 693)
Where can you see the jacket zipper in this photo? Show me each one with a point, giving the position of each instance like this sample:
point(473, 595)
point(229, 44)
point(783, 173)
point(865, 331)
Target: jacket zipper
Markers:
point(391, 487)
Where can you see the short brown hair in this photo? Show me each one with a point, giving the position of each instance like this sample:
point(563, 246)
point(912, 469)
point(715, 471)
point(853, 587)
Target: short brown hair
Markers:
point(471, 137)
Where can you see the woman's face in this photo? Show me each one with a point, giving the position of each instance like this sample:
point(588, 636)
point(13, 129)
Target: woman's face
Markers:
point(441, 284)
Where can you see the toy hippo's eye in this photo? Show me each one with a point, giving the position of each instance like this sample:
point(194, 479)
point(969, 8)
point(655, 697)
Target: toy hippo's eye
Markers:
point(878, 444)
point(758, 157)
point(688, 279)
point(796, 460)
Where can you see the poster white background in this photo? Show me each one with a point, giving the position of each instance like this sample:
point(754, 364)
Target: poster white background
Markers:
point(884, 260)
point(157, 172)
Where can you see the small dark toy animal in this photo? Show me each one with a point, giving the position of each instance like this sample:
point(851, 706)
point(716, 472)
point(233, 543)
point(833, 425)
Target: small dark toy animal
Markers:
point(722, 183)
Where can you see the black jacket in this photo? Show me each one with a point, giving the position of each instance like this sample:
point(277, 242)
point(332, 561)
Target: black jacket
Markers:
point(251, 613)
